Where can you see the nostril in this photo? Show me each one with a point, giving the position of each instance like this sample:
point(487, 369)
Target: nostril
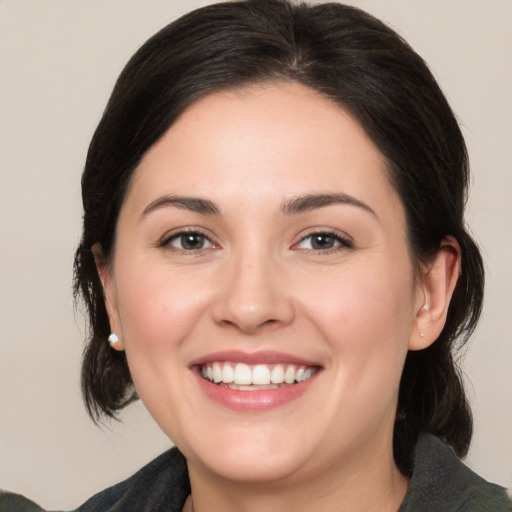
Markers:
point(251, 308)
point(247, 326)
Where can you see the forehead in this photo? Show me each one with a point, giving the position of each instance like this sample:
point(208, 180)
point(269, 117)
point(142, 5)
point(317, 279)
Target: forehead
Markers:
point(263, 142)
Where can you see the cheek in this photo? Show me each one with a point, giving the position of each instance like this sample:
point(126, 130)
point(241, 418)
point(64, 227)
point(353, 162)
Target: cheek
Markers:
point(364, 313)
point(159, 308)
point(160, 312)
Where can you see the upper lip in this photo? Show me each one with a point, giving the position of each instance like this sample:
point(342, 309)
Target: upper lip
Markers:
point(252, 358)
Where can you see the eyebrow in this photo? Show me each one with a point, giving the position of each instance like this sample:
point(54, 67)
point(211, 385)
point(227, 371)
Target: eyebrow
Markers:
point(193, 204)
point(309, 202)
point(299, 204)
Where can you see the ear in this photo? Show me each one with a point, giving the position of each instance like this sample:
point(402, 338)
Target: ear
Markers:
point(109, 294)
point(435, 290)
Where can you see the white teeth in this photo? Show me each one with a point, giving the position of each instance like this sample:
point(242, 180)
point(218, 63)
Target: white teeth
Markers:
point(243, 374)
point(217, 373)
point(277, 374)
point(289, 374)
point(261, 374)
point(228, 374)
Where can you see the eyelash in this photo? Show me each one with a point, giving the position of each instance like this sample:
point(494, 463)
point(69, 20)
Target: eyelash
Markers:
point(167, 240)
point(343, 243)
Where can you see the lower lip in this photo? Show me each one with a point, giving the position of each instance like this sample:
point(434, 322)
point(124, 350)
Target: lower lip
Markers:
point(254, 401)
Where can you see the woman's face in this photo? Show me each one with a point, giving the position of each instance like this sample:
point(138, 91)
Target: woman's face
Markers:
point(261, 241)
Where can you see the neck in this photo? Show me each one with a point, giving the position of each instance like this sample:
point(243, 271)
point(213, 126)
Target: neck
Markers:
point(374, 485)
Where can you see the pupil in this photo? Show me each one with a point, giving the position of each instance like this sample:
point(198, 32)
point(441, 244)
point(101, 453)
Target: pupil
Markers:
point(322, 242)
point(192, 241)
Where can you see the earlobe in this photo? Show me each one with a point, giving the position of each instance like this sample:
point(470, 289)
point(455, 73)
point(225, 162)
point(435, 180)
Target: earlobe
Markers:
point(109, 296)
point(115, 342)
point(437, 284)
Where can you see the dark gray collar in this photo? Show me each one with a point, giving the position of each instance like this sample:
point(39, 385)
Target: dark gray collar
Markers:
point(442, 483)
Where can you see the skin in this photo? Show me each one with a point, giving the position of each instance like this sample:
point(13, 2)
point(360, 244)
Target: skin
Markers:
point(260, 284)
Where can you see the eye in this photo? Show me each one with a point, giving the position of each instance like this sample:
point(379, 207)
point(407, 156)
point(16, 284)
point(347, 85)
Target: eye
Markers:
point(323, 241)
point(188, 241)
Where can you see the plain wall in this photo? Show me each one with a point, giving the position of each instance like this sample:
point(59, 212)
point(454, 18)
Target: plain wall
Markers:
point(59, 60)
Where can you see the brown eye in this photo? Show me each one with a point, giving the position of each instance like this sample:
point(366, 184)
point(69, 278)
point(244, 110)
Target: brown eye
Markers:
point(324, 242)
point(188, 241)
point(192, 241)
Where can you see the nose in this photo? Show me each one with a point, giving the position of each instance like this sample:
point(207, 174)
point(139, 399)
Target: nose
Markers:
point(253, 296)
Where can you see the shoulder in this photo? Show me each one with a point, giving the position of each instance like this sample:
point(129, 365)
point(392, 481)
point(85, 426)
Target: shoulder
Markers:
point(162, 484)
point(442, 483)
point(10, 502)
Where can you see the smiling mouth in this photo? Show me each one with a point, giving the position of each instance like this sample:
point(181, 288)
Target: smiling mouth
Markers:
point(245, 377)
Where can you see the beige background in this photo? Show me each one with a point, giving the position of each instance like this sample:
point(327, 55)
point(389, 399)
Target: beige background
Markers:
point(59, 60)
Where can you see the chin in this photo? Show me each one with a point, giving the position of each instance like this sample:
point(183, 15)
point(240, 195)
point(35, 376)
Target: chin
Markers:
point(249, 457)
point(250, 467)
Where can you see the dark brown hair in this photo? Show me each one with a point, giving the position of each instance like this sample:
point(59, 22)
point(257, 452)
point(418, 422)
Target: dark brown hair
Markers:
point(367, 69)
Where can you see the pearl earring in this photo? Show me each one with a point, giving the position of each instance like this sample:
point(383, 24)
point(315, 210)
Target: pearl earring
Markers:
point(113, 339)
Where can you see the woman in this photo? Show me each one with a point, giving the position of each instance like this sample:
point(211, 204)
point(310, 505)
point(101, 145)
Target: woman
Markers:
point(274, 248)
